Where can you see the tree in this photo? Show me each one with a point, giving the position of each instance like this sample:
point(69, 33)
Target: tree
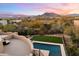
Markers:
point(1, 26)
point(29, 31)
point(45, 28)
point(22, 32)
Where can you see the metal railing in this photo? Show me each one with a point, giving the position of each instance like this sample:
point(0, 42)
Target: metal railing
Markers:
point(37, 52)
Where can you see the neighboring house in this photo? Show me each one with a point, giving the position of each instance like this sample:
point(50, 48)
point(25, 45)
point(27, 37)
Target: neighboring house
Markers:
point(15, 21)
point(76, 23)
point(3, 22)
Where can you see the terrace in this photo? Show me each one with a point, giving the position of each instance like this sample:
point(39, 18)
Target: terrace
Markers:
point(16, 46)
point(51, 44)
point(22, 46)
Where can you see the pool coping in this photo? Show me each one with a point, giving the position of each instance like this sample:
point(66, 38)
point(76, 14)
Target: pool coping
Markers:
point(61, 46)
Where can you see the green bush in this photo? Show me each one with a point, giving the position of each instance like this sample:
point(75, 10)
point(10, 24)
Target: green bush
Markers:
point(9, 28)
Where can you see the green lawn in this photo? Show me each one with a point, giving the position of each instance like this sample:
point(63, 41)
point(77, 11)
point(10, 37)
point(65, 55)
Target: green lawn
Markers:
point(47, 39)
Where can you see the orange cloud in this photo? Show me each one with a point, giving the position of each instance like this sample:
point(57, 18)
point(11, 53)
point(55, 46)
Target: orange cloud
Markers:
point(74, 11)
point(58, 11)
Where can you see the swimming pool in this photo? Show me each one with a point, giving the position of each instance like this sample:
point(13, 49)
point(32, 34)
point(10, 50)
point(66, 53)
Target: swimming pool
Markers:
point(54, 50)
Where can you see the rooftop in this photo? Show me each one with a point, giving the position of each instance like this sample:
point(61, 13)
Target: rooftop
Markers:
point(18, 46)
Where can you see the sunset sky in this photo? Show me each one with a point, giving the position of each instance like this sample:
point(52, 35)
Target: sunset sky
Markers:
point(39, 8)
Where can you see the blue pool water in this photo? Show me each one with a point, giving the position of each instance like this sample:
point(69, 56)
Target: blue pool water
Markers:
point(54, 50)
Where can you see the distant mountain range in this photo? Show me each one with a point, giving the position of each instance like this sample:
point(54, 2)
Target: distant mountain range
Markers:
point(54, 14)
point(15, 15)
point(73, 15)
point(44, 15)
point(11, 15)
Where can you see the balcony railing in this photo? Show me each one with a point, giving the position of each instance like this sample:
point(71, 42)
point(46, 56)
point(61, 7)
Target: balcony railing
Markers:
point(37, 52)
